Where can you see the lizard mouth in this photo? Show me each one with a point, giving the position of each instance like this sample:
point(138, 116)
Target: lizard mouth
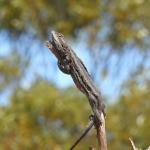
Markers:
point(52, 36)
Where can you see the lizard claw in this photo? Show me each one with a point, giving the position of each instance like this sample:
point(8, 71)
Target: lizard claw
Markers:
point(91, 117)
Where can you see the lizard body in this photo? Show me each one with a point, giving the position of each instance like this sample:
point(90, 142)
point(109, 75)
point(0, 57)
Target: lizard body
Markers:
point(70, 63)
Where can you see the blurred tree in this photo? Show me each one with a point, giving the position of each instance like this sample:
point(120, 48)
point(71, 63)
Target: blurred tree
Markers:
point(119, 25)
point(43, 117)
point(129, 117)
point(66, 16)
point(9, 70)
point(127, 21)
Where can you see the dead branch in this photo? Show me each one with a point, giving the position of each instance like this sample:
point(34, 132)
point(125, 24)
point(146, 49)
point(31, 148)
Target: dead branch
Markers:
point(70, 63)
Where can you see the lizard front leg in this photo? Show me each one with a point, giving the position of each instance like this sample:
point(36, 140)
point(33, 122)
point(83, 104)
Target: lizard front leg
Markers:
point(64, 68)
point(94, 104)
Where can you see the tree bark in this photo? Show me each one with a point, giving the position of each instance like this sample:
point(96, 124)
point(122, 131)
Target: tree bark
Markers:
point(101, 135)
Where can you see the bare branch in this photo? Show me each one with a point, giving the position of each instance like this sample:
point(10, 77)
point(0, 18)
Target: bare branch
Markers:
point(101, 135)
point(70, 63)
point(132, 144)
point(83, 134)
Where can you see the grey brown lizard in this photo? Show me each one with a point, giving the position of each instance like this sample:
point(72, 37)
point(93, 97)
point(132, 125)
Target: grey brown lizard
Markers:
point(70, 63)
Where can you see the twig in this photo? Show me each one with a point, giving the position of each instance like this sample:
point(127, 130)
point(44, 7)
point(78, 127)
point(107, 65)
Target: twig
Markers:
point(148, 148)
point(83, 134)
point(132, 144)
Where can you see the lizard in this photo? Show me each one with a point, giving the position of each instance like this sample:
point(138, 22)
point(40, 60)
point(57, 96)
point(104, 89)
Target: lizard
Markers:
point(70, 63)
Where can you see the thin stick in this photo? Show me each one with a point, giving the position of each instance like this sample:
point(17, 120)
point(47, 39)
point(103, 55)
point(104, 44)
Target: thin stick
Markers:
point(83, 134)
point(132, 144)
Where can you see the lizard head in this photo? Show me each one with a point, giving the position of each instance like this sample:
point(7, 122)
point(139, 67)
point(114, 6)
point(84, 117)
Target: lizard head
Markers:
point(56, 40)
point(60, 46)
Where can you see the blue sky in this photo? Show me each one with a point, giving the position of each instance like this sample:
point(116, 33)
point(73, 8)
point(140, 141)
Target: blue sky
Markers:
point(45, 65)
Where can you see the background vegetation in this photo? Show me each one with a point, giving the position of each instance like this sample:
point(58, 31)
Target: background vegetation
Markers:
point(34, 112)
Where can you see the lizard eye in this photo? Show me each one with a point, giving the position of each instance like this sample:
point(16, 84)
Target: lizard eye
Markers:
point(60, 35)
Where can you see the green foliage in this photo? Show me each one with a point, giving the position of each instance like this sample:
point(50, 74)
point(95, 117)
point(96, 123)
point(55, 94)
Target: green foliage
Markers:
point(9, 70)
point(129, 117)
point(65, 16)
point(127, 20)
point(120, 25)
point(130, 21)
point(43, 117)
